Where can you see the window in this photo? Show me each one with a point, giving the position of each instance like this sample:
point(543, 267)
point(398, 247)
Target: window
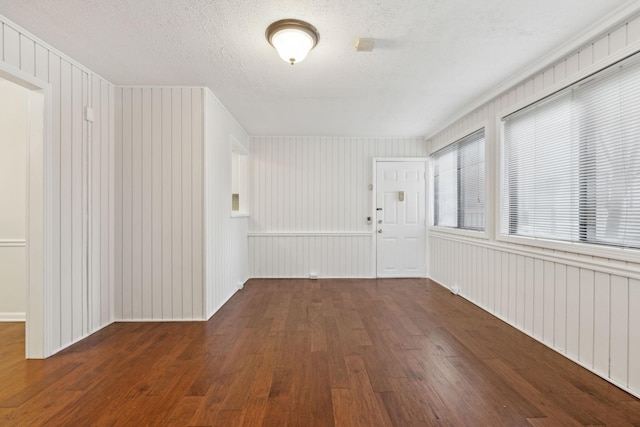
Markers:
point(458, 183)
point(571, 163)
point(238, 179)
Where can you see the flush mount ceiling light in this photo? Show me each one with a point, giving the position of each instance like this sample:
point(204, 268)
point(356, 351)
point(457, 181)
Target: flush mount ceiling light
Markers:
point(293, 39)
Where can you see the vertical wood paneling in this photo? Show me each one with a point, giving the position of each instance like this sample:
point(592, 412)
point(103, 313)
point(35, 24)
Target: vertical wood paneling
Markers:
point(560, 308)
point(42, 67)
point(619, 329)
point(580, 311)
point(548, 311)
point(148, 294)
point(176, 197)
point(106, 207)
point(11, 46)
point(186, 193)
point(56, 215)
point(497, 269)
point(583, 313)
point(491, 268)
point(295, 256)
point(167, 264)
point(634, 335)
point(322, 178)
point(126, 295)
point(529, 289)
point(618, 39)
point(633, 30)
point(518, 281)
point(538, 300)
point(310, 185)
point(197, 200)
point(586, 316)
point(95, 211)
point(118, 208)
point(226, 245)
point(602, 324)
point(160, 168)
point(157, 203)
point(27, 55)
point(512, 285)
point(601, 49)
point(80, 178)
point(573, 312)
point(136, 204)
point(66, 221)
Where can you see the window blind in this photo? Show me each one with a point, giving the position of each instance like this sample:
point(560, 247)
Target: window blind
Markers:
point(571, 163)
point(459, 183)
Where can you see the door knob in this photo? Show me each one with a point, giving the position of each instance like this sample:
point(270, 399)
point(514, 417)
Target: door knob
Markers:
point(379, 230)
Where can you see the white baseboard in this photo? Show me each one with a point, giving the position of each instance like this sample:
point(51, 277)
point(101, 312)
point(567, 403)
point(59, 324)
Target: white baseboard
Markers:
point(13, 317)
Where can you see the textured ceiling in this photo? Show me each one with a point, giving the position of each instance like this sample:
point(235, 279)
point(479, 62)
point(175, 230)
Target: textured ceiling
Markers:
point(432, 57)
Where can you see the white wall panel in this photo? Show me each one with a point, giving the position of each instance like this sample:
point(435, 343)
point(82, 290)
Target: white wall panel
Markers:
point(309, 202)
point(634, 335)
point(159, 180)
point(582, 306)
point(226, 265)
point(619, 349)
point(81, 217)
point(588, 317)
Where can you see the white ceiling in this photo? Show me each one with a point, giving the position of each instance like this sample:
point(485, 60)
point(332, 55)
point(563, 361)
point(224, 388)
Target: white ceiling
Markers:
point(432, 57)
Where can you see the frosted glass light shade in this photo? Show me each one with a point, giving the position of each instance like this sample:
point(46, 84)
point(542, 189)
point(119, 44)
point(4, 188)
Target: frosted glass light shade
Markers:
point(292, 39)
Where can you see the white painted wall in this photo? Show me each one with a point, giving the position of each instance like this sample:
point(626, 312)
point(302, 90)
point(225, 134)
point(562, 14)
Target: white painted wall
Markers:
point(226, 251)
point(180, 255)
point(310, 199)
point(159, 203)
point(14, 139)
point(80, 297)
point(585, 307)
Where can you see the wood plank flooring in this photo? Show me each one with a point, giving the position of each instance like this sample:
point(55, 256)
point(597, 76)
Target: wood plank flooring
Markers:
point(311, 353)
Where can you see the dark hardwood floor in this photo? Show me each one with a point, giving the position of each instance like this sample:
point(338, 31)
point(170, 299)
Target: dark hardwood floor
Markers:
point(311, 353)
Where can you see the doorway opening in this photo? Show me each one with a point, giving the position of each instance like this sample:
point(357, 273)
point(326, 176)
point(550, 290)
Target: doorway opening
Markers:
point(24, 226)
point(14, 137)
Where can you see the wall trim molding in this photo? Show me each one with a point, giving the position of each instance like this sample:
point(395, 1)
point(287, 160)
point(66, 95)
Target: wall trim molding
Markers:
point(13, 317)
point(12, 243)
point(312, 234)
point(563, 258)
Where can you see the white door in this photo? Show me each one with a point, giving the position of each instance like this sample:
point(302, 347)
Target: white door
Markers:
point(401, 244)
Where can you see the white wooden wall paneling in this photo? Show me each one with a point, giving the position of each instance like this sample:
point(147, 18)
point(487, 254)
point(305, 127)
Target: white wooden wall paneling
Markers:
point(306, 185)
point(596, 329)
point(82, 211)
point(159, 180)
point(167, 241)
point(146, 200)
point(583, 309)
point(226, 247)
point(135, 164)
point(157, 284)
point(634, 335)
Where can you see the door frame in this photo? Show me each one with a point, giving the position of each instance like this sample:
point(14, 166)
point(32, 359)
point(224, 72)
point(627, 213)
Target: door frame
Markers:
point(39, 225)
point(374, 189)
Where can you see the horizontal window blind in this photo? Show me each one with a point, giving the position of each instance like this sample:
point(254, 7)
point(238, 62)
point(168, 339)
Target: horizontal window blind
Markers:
point(459, 183)
point(571, 163)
